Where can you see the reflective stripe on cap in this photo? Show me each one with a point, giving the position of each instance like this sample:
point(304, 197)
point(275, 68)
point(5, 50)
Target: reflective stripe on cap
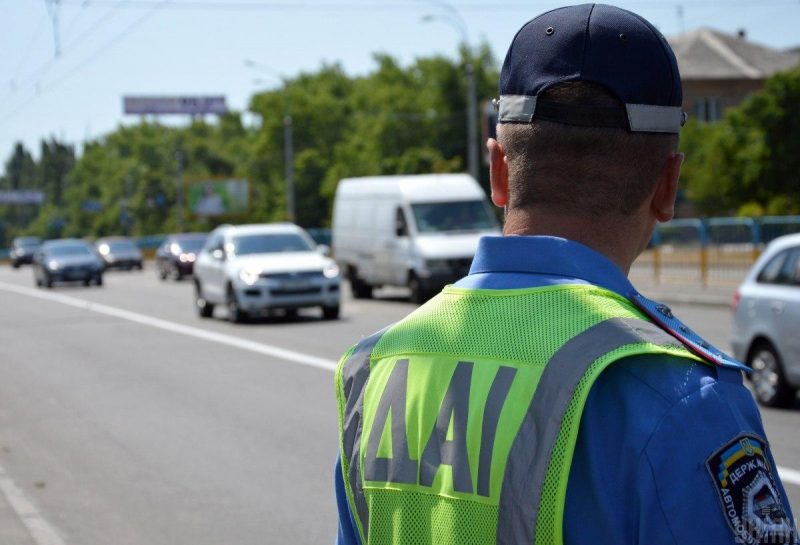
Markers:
point(641, 117)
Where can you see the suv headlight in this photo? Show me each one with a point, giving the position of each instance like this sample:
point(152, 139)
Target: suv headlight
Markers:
point(331, 270)
point(249, 276)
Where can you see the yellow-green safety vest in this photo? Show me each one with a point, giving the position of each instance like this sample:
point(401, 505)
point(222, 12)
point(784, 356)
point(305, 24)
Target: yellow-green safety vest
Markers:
point(458, 423)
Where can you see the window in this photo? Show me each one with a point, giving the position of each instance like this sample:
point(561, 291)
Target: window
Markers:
point(400, 224)
point(270, 243)
point(708, 109)
point(454, 216)
point(784, 268)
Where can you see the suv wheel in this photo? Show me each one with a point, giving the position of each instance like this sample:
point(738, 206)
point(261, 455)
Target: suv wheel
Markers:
point(235, 312)
point(204, 308)
point(331, 313)
point(769, 382)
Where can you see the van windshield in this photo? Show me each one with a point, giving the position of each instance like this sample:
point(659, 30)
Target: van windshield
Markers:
point(438, 217)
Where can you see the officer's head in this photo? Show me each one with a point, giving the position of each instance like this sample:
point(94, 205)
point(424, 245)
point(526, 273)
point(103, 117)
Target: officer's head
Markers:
point(589, 115)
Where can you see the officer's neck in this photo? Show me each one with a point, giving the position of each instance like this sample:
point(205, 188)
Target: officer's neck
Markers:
point(621, 240)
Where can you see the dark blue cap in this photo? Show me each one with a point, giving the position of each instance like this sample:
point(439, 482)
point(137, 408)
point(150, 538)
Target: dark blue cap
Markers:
point(597, 43)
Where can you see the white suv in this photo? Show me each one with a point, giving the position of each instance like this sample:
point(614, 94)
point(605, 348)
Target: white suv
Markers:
point(253, 269)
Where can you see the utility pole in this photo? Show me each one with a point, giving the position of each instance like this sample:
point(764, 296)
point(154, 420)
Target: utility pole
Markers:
point(53, 7)
point(472, 122)
point(288, 164)
point(288, 135)
point(454, 19)
point(179, 188)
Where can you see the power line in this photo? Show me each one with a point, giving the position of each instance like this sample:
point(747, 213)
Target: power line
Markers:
point(26, 52)
point(270, 5)
point(88, 60)
point(45, 67)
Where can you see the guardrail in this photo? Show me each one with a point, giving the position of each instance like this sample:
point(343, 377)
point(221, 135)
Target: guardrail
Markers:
point(706, 251)
point(709, 251)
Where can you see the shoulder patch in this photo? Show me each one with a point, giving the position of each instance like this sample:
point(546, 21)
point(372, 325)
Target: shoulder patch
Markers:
point(662, 315)
point(750, 501)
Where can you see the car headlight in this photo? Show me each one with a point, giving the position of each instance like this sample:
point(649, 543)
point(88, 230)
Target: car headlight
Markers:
point(249, 276)
point(331, 270)
point(186, 258)
point(52, 265)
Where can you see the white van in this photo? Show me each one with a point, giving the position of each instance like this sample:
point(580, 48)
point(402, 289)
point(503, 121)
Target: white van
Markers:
point(419, 231)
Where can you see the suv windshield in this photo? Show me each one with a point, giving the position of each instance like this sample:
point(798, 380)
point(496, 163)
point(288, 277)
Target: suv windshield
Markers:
point(269, 243)
point(439, 217)
point(68, 249)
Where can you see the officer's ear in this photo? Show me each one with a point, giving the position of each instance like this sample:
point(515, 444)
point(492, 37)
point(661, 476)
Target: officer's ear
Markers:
point(662, 205)
point(498, 172)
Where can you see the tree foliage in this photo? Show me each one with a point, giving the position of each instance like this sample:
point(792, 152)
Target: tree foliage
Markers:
point(748, 163)
point(394, 120)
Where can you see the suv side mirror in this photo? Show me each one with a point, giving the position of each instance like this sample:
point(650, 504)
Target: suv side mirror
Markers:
point(218, 254)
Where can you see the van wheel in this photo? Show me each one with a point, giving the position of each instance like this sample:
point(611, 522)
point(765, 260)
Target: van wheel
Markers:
point(360, 289)
point(769, 382)
point(419, 295)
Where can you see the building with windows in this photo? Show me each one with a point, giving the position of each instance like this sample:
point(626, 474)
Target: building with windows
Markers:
point(720, 70)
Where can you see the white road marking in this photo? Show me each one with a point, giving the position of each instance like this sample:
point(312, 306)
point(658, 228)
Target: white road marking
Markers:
point(41, 531)
point(788, 476)
point(199, 333)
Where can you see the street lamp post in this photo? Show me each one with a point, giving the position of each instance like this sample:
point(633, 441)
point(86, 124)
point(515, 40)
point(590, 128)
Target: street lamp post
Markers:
point(288, 137)
point(454, 19)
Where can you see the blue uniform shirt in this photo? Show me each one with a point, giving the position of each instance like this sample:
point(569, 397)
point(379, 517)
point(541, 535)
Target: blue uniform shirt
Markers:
point(656, 433)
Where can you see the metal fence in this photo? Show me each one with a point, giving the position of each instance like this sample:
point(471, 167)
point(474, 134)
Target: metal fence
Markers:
point(710, 251)
point(707, 251)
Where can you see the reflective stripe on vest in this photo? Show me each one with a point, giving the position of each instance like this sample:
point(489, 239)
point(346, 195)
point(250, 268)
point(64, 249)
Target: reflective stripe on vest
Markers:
point(533, 446)
point(355, 373)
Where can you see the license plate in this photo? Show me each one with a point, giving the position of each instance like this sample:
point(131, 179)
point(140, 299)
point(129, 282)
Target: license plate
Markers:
point(295, 285)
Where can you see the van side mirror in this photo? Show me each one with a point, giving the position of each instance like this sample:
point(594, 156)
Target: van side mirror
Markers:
point(400, 228)
point(324, 249)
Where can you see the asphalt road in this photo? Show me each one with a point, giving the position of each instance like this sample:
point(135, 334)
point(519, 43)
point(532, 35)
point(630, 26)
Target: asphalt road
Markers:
point(126, 419)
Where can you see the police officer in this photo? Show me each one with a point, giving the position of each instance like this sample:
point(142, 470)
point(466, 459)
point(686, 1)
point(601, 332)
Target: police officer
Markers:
point(542, 399)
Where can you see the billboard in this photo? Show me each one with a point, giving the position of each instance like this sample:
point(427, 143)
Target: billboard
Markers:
point(187, 105)
point(218, 197)
point(11, 196)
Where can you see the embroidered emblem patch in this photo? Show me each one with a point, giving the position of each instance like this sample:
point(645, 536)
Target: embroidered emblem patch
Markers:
point(751, 503)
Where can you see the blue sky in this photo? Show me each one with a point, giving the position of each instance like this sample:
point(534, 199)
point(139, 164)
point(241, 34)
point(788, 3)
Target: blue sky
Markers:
point(110, 48)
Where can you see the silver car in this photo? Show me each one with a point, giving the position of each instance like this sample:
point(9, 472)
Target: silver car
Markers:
point(766, 324)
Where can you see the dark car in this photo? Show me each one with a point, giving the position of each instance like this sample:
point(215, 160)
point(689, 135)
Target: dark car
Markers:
point(22, 250)
point(67, 260)
point(119, 253)
point(176, 256)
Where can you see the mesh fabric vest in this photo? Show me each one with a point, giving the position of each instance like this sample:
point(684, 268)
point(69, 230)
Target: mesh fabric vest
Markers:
point(458, 424)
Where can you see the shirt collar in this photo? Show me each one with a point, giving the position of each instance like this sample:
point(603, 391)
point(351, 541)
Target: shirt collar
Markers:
point(546, 255)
